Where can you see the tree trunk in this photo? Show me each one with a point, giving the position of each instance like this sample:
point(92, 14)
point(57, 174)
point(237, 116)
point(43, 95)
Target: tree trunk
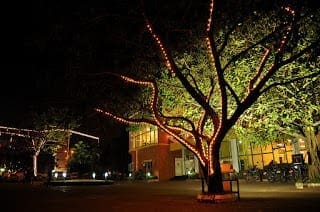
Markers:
point(35, 163)
point(314, 171)
point(312, 147)
point(214, 180)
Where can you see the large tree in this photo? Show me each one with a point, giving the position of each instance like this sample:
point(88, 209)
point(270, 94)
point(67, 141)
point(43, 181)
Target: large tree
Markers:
point(197, 98)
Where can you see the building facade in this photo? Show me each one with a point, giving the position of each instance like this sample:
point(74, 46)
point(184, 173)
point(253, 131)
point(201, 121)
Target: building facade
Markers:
point(155, 152)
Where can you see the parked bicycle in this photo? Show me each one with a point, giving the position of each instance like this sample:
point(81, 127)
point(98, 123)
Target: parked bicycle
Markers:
point(285, 172)
point(253, 174)
point(273, 173)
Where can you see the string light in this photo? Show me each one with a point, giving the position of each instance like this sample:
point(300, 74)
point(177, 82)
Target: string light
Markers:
point(27, 132)
point(210, 15)
point(182, 141)
point(159, 123)
point(205, 151)
point(289, 28)
point(118, 118)
point(210, 149)
point(211, 169)
point(160, 45)
point(290, 10)
point(209, 22)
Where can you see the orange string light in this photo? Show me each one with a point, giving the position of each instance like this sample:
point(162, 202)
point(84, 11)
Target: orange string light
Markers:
point(160, 45)
point(209, 22)
point(210, 15)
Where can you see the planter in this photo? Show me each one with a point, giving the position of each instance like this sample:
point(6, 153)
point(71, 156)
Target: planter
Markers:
point(218, 198)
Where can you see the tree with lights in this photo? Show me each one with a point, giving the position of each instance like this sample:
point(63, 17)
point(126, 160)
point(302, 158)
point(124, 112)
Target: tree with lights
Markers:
point(198, 103)
point(53, 131)
point(34, 141)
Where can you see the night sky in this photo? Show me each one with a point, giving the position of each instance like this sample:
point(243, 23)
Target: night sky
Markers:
point(48, 45)
point(39, 48)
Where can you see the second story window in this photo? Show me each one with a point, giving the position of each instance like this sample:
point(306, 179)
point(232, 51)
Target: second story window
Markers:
point(143, 137)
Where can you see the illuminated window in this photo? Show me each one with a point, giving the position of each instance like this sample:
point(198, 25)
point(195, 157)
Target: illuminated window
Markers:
point(145, 136)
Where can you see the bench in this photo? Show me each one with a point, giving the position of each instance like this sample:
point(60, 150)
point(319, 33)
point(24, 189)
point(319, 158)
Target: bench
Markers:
point(230, 181)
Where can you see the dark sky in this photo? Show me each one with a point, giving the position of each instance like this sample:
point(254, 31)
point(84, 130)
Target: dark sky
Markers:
point(46, 40)
point(38, 37)
point(41, 40)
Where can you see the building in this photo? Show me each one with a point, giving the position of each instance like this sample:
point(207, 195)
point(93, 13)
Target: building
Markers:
point(156, 153)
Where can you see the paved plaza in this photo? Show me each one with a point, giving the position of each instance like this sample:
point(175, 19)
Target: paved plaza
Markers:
point(168, 196)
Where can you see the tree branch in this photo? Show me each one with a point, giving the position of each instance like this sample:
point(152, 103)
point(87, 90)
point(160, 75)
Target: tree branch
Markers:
point(174, 70)
point(237, 56)
point(315, 44)
point(124, 119)
point(289, 81)
point(260, 68)
point(233, 93)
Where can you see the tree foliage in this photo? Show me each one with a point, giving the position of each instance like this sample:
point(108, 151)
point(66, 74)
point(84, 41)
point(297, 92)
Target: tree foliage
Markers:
point(84, 158)
point(53, 126)
point(290, 111)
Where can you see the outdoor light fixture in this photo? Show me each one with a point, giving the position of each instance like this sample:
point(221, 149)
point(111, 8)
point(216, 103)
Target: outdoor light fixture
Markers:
point(148, 174)
point(64, 174)
point(56, 175)
point(106, 175)
point(94, 175)
point(130, 174)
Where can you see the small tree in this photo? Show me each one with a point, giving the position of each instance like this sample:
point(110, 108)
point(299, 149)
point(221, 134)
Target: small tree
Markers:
point(84, 158)
point(52, 132)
